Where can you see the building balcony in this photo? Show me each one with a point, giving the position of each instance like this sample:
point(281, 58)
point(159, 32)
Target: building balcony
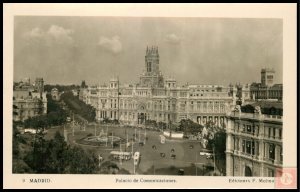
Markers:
point(256, 116)
point(273, 117)
point(248, 156)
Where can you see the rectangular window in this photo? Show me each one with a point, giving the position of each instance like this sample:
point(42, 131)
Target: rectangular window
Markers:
point(248, 147)
point(271, 151)
point(243, 146)
point(266, 132)
point(253, 148)
point(257, 148)
point(248, 129)
point(281, 155)
point(280, 133)
point(270, 173)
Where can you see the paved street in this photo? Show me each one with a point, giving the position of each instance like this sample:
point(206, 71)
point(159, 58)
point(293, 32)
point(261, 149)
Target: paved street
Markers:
point(151, 161)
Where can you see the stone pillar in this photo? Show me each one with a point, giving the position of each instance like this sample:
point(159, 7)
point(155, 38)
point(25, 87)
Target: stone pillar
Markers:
point(276, 133)
point(229, 142)
point(267, 150)
point(229, 165)
point(277, 154)
point(261, 170)
point(260, 150)
point(261, 130)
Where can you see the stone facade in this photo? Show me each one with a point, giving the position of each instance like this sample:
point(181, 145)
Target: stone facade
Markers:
point(29, 100)
point(159, 99)
point(253, 143)
point(266, 89)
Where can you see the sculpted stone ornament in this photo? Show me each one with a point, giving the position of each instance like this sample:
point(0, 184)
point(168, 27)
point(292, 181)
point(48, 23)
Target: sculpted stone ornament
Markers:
point(237, 108)
point(257, 110)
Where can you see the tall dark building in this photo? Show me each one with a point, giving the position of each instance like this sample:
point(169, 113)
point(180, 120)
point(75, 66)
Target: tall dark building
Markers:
point(152, 77)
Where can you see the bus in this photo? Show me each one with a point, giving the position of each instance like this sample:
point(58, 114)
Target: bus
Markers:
point(35, 131)
point(136, 157)
point(207, 153)
point(121, 155)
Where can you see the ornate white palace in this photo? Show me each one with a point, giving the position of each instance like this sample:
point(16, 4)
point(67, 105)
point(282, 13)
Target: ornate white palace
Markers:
point(160, 99)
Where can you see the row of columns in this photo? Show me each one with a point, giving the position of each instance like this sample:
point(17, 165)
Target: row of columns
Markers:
point(218, 120)
point(207, 107)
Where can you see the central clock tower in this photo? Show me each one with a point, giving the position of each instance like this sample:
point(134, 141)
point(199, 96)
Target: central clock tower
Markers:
point(152, 77)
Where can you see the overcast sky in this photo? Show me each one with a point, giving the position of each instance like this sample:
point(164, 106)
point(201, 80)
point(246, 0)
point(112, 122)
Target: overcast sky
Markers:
point(67, 50)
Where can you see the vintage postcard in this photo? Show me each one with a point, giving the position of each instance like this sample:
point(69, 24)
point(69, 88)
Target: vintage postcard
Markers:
point(150, 96)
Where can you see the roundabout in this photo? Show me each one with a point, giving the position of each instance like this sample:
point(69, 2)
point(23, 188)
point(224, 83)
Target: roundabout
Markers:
point(100, 140)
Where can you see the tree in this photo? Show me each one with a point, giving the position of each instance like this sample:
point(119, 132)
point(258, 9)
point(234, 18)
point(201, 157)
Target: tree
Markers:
point(189, 127)
point(15, 108)
point(55, 116)
point(55, 156)
point(218, 143)
point(79, 107)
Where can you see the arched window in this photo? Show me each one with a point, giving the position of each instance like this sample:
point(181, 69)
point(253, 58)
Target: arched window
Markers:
point(148, 66)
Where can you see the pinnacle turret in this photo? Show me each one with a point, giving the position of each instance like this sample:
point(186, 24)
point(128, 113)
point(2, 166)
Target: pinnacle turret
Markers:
point(153, 50)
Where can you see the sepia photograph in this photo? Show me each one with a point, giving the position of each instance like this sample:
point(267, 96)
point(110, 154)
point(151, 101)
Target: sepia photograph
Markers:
point(150, 99)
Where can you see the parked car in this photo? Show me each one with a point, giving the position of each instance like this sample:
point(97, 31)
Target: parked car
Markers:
point(181, 172)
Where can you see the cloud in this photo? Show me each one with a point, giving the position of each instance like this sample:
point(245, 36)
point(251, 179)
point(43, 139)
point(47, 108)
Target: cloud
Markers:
point(113, 45)
point(172, 38)
point(35, 33)
point(54, 35)
point(60, 35)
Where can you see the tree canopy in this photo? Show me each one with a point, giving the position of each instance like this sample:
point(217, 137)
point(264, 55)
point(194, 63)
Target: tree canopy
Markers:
point(189, 127)
point(55, 156)
point(79, 107)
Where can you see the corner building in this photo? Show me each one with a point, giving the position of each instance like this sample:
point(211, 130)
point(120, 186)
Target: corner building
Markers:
point(254, 140)
point(158, 98)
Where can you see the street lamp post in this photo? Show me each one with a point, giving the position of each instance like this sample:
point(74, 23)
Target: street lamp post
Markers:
point(106, 135)
point(120, 155)
point(133, 167)
point(112, 140)
point(139, 135)
point(73, 125)
point(126, 141)
point(99, 160)
point(214, 155)
point(145, 136)
point(196, 165)
point(132, 148)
